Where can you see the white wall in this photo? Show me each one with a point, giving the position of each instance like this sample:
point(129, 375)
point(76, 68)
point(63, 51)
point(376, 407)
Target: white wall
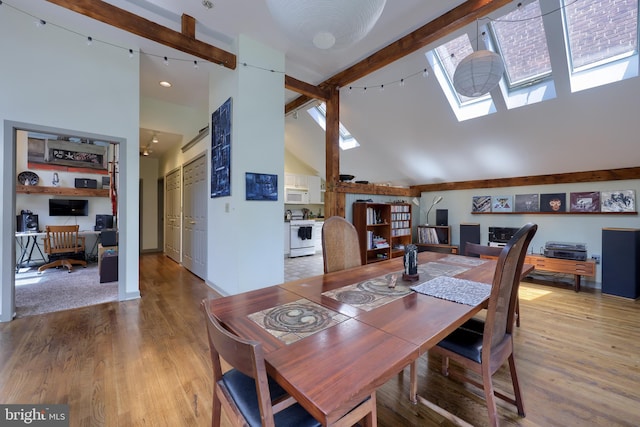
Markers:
point(51, 78)
point(246, 244)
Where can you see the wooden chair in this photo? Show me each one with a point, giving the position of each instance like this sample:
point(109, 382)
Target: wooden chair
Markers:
point(340, 245)
point(249, 396)
point(483, 347)
point(64, 247)
point(476, 249)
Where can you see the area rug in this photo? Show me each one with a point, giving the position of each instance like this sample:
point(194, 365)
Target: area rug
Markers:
point(57, 290)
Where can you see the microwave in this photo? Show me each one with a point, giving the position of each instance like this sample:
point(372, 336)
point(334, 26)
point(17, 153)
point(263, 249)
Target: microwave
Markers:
point(296, 196)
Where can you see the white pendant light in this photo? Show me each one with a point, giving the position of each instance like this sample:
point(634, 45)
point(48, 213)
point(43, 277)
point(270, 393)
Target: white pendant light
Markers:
point(478, 73)
point(326, 24)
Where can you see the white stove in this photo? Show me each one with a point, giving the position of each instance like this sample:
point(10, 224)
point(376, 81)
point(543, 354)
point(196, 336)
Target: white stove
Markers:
point(302, 237)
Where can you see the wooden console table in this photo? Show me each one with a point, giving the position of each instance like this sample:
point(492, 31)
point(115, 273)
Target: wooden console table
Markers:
point(567, 266)
point(559, 265)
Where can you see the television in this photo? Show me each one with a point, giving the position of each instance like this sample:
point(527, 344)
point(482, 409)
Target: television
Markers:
point(68, 207)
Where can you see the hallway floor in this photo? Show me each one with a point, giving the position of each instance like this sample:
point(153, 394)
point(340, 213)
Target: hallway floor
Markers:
point(303, 266)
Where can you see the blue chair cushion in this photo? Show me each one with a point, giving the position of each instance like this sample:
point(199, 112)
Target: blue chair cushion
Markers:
point(466, 340)
point(243, 391)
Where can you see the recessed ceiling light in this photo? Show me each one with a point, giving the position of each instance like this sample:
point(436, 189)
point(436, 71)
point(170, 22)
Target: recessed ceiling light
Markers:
point(165, 84)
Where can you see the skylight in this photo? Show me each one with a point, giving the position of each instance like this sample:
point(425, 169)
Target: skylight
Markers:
point(319, 114)
point(602, 40)
point(522, 43)
point(600, 44)
point(443, 60)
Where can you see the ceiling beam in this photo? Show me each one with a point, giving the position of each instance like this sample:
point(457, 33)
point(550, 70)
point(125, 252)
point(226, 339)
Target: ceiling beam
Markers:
point(127, 21)
point(305, 88)
point(557, 178)
point(458, 17)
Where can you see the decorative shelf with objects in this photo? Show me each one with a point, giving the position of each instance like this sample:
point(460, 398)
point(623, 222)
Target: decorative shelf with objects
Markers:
point(555, 213)
point(62, 191)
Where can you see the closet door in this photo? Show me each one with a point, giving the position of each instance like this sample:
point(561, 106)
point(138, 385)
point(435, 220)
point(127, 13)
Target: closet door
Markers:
point(172, 215)
point(194, 228)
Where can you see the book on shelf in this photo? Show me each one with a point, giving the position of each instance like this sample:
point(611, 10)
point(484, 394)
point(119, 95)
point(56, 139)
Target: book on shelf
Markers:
point(428, 235)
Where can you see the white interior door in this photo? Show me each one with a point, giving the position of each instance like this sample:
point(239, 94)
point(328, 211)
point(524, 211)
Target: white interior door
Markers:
point(172, 214)
point(194, 229)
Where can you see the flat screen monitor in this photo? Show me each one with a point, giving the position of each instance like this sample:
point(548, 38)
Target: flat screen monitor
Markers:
point(68, 207)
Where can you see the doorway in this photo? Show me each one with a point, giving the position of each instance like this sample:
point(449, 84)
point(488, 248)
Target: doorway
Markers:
point(48, 186)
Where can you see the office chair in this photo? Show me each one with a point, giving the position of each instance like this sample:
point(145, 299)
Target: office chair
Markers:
point(64, 247)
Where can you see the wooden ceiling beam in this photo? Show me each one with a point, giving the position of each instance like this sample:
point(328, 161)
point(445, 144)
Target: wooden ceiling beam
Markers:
point(557, 178)
point(306, 88)
point(132, 23)
point(458, 17)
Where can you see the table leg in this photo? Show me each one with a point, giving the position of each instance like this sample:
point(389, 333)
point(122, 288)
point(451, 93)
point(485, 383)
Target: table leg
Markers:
point(576, 286)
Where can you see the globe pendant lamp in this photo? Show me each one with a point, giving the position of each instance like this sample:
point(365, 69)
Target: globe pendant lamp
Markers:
point(326, 24)
point(478, 73)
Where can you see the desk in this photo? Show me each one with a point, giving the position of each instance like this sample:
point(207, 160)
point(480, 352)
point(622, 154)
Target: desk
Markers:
point(28, 241)
point(329, 372)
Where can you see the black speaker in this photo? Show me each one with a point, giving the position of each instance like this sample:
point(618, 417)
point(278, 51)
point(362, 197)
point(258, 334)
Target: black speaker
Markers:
point(442, 217)
point(109, 238)
point(621, 262)
point(86, 183)
point(103, 221)
point(27, 222)
point(468, 233)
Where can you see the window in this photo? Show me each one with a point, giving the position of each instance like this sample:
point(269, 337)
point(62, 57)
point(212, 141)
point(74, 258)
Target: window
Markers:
point(521, 41)
point(319, 114)
point(443, 60)
point(602, 39)
point(520, 38)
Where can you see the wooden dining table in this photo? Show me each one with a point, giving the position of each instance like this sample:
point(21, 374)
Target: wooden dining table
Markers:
point(332, 340)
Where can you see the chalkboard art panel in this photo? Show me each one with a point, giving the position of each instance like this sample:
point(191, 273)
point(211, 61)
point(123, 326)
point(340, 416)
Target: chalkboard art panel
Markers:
point(221, 150)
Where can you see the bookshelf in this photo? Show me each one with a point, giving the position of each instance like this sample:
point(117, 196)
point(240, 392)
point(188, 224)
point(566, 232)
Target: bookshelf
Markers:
point(383, 229)
point(436, 238)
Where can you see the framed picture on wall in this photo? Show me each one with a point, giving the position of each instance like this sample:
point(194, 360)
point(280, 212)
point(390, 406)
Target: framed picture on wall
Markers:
point(618, 201)
point(221, 150)
point(261, 186)
point(502, 204)
point(553, 202)
point(588, 201)
point(527, 203)
point(481, 204)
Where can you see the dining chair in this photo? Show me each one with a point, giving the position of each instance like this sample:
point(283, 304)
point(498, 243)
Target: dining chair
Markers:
point(340, 245)
point(478, 250)
point(248, 396)
point(484, 346)
point(64, 247)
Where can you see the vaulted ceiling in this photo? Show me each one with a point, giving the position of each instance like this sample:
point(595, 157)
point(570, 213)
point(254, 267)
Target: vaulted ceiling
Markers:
point(408, 134)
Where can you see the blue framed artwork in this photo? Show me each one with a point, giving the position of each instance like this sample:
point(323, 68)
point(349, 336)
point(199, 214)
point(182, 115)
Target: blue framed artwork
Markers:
point(261, 186)
point(221, 150)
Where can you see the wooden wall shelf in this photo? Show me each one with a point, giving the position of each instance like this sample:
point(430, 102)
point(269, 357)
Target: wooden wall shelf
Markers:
point(555, 213)
point(62, 191)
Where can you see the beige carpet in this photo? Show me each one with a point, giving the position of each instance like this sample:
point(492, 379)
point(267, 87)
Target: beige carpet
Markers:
point(57, 290)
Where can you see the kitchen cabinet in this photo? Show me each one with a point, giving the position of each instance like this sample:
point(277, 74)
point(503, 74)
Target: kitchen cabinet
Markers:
point(294, 180)
point(315, 194)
